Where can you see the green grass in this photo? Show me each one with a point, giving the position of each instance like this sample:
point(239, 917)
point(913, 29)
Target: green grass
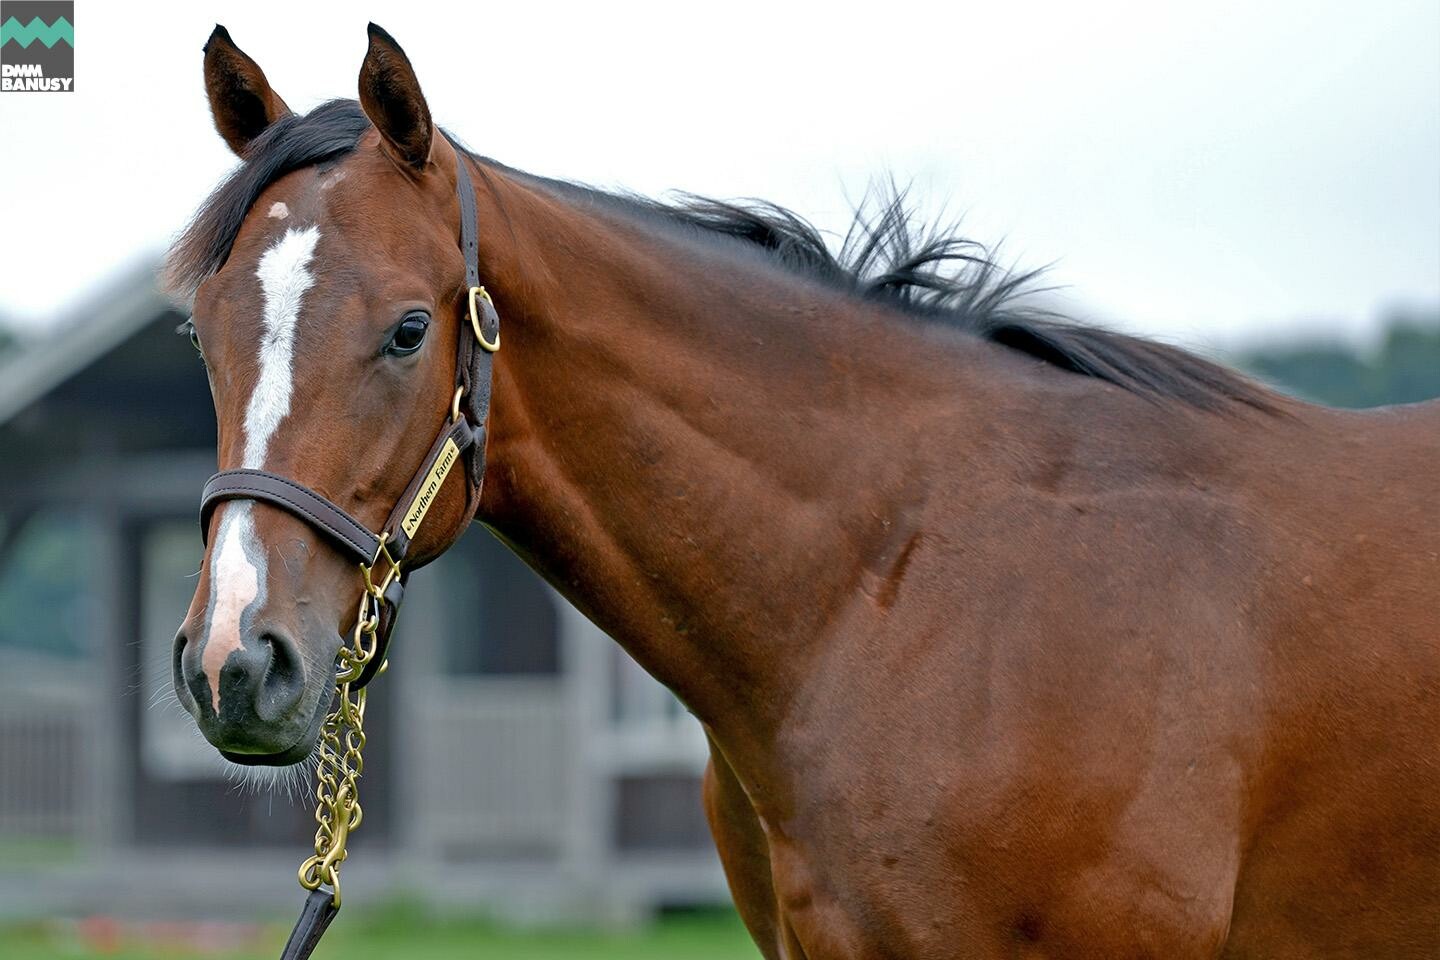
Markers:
point(397, 933)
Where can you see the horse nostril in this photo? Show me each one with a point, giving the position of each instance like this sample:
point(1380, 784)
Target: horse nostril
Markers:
point(177, 652)
point(284, 680)
point(177, 669)
point(285, 662)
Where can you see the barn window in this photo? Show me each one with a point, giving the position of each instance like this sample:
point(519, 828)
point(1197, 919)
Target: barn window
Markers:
point(503, 616)
point(44, 575)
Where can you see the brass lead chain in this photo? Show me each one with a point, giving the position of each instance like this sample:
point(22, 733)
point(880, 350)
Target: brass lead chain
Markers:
point(342, 738)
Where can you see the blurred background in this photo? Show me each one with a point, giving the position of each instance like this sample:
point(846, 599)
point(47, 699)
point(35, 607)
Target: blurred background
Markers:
point(1257, 181)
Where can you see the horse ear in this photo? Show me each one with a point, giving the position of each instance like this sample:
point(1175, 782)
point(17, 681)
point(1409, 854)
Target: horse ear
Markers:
point(240, 97)
point(390, 96)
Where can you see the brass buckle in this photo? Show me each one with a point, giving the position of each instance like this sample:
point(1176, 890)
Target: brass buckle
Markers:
point(392, 569)
point(476, 294)
point(367, 623)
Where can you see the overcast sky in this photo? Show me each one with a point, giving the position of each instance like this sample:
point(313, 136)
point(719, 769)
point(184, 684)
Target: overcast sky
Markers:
point(1216, 173)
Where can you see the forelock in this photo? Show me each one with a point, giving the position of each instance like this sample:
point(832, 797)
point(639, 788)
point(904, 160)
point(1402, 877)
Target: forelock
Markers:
point(326, 134)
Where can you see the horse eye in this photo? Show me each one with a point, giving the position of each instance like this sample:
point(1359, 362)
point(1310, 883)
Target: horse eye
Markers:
point(188, 328)
point(409, 335)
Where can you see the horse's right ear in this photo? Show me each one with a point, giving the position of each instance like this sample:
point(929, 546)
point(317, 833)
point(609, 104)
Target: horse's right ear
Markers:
point(241, 100)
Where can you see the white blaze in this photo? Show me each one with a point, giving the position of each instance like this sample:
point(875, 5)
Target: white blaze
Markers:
point(234, 585)
point(237, 568)
point(284, 279)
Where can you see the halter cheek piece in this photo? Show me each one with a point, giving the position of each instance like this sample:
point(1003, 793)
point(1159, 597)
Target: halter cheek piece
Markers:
point(464, 432)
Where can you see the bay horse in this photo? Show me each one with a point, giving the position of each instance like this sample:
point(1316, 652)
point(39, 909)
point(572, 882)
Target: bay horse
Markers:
point(1012, 637)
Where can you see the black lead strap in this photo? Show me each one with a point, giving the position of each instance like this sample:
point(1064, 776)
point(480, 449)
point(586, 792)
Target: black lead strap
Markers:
point(314, 920)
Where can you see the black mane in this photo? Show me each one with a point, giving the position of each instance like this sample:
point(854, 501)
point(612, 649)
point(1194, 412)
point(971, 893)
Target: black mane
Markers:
point(937, 275)
point(886, 257)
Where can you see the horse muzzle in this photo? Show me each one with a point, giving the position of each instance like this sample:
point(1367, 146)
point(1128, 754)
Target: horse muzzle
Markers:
point(260, 707)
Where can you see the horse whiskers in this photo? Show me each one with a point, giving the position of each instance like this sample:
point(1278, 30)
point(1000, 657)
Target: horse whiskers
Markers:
point(163, 697)
point(292, 782)
point(166, 701)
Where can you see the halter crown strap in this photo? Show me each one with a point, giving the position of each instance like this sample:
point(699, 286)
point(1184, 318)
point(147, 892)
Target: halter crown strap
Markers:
point(473, 371)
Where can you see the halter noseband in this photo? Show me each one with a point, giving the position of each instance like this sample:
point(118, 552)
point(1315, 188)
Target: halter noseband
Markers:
point(463, 431)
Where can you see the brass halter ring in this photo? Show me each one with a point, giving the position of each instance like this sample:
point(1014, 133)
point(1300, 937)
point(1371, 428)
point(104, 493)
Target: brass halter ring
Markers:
point(476, 295)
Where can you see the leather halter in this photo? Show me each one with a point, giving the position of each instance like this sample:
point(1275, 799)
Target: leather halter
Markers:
point(463, 432)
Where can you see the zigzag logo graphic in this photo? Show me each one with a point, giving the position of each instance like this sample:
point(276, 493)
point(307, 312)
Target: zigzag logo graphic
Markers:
point(27, 33)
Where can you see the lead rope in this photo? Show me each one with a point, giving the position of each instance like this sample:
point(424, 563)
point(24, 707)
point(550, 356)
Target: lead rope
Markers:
point(342, 761)
point(342, 735)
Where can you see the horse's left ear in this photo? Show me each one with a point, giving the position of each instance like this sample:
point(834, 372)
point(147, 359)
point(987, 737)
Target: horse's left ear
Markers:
point(390, 96)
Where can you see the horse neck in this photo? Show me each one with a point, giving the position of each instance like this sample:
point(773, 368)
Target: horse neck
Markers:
point(712, 459)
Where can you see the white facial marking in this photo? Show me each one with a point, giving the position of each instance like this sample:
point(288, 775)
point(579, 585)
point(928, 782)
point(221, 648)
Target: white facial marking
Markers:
point(234, 585)
point(284, 280)
point(278, 211)
point(237, 570)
